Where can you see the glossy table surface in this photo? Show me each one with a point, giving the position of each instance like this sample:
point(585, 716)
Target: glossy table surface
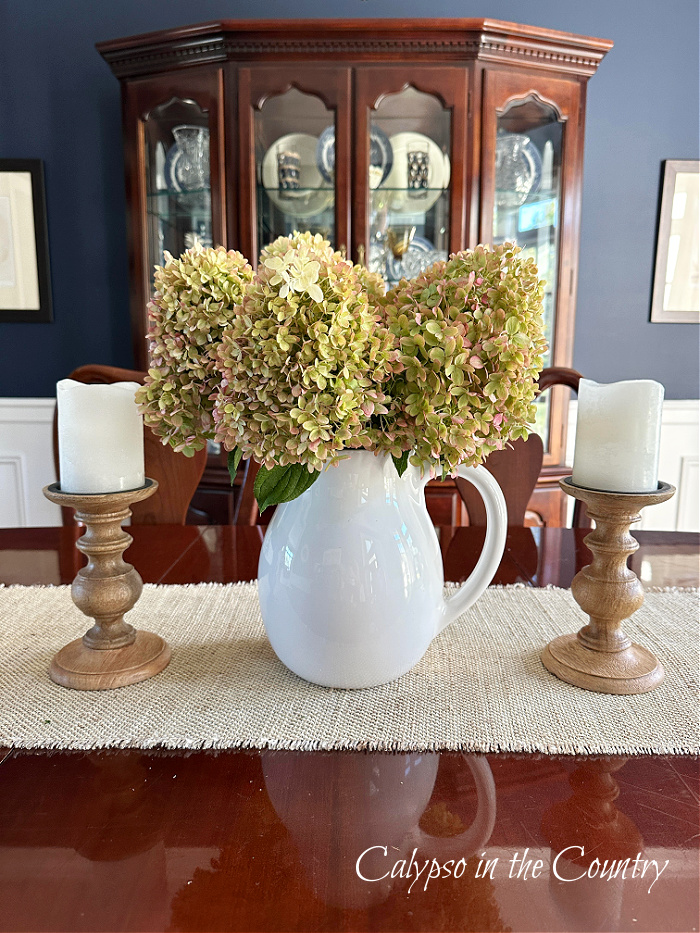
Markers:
point(251, 840)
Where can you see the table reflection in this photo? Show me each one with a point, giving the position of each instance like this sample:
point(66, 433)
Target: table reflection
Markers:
point(140, 840)
point(373, 803)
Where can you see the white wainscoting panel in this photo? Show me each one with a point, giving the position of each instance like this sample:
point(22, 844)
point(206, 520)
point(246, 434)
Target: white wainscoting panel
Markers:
point(26, 462)
point(678, 465)
point(689, 495)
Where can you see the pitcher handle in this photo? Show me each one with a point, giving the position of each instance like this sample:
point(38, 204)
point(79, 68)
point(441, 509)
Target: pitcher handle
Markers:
point(494, 545)
point(479, 833)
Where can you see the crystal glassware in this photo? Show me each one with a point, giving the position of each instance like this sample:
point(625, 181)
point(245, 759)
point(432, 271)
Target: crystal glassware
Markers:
point(193, 169)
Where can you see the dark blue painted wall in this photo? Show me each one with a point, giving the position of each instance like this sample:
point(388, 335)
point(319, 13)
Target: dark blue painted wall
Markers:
point(59, 102)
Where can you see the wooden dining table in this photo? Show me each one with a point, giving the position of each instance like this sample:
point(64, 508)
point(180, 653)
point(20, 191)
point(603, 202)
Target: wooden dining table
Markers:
point(265, 840)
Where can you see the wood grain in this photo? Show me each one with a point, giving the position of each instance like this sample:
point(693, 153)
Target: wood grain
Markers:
point(111, 654)
point(601, 657)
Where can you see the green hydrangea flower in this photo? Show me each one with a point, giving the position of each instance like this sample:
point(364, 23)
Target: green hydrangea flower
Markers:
point(471, 337)
point(309, 356)
point(197, 296)
point(303, 365)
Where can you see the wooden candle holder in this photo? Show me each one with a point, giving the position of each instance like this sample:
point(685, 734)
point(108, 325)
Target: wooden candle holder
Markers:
point(112, 653)
point(600, 656)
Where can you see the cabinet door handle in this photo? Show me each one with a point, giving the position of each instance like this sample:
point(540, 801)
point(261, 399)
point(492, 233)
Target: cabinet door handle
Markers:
point(361, 254)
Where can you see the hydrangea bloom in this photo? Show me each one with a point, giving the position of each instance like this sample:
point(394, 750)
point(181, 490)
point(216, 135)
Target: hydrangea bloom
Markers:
point(197, 296)
point(471, 338)
point(303, 365)
point(310, 356)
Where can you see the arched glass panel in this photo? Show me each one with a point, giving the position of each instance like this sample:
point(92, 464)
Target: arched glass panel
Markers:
point(295, 166)
point(178, 187)
point(408, 184)
point(527, 201)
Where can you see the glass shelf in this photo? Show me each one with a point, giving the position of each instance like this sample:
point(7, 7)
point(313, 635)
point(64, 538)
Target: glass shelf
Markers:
point(293, 192)
point(171, 205)
point(177, 155)
point(181, 195)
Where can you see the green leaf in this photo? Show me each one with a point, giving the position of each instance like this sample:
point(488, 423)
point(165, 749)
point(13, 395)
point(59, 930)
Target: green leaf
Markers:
point(282, 484)
point(401, 463)
point(234, 458)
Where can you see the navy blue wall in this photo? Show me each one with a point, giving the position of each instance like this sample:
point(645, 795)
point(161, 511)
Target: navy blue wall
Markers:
point(59, 102)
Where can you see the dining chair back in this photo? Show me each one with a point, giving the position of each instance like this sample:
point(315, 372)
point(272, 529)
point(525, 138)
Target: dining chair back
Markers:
point(178, 476)
point(518, 467)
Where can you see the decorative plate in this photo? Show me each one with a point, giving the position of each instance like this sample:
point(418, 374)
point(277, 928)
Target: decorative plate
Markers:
point(420, 255)
point(313, 194)
point(380, 155)
point(416, 201)
point(516, 177)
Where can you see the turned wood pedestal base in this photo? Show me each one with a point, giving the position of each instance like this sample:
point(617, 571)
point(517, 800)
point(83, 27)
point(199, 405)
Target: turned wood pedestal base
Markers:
point(600, 656)
point(632, 670)
point(112, 653)
point(84, 668)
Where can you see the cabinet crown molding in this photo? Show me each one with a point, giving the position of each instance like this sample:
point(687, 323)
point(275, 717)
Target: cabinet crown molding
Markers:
point(456, 40)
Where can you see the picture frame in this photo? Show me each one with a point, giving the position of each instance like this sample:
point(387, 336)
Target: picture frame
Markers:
point(25, 279)
point(676, 289)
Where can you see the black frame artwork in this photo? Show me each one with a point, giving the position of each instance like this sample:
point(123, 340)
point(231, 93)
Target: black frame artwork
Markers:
point(683, 227)
point(25, 279)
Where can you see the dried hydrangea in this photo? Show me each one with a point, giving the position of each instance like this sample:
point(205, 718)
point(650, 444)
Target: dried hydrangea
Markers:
point(303, 364)
point(471, 336)
point(197, 296)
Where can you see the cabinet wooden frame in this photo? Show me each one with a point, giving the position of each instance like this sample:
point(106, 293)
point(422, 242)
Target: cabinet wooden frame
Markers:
point(502, 90)
point(204, 87)
point(449, 84)
point(332, 85)
point(474, 67)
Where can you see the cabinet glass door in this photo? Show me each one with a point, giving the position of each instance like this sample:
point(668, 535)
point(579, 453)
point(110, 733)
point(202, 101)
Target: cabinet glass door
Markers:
point(295, 166)
point(408, 184)
point(527, 206)
point(178, 183)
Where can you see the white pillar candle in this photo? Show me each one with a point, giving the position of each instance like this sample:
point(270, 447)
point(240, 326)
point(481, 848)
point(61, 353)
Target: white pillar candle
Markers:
point(100, 437)
point(617, 435)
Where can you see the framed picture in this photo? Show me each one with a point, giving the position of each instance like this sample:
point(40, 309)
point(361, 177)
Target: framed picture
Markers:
point(676, 294)
point(25, 282)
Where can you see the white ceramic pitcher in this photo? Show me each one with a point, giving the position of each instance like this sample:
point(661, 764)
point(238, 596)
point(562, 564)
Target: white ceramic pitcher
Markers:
point(366, 811)
point(350, 574)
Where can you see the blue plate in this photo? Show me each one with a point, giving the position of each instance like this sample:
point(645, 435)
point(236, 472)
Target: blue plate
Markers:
point(175, 171)
point(172, 160)
point(380, 153)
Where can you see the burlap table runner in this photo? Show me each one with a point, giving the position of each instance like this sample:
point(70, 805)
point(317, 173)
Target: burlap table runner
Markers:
point(480, 687)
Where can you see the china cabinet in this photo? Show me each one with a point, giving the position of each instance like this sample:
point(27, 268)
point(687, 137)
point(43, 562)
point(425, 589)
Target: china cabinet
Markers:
point(399, 140)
